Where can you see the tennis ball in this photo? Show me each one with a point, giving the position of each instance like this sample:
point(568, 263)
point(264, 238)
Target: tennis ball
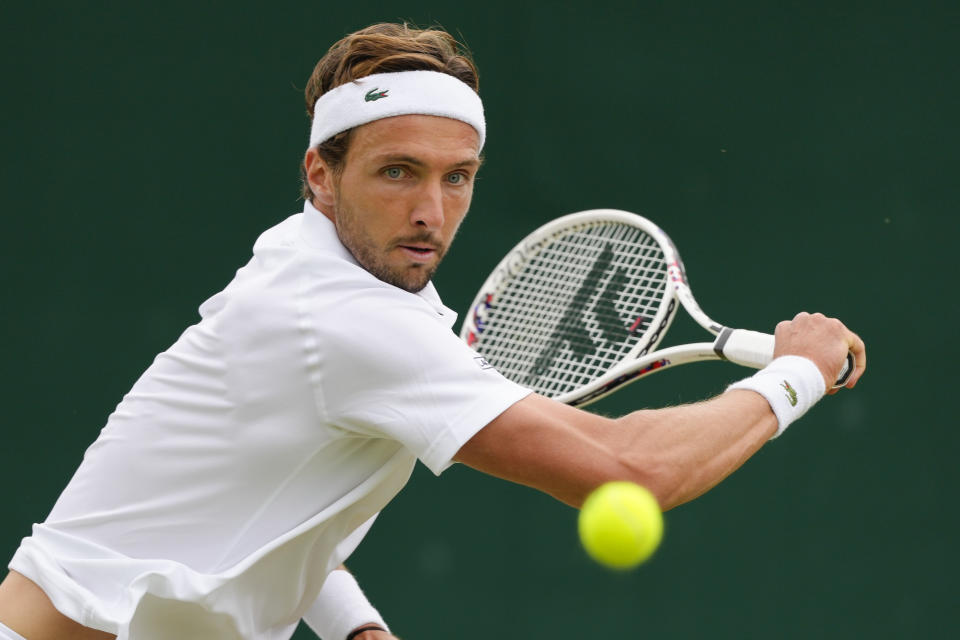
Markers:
point(620, 524)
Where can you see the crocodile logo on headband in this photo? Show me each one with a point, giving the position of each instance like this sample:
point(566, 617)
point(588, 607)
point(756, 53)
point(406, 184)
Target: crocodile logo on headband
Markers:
point(375, 94)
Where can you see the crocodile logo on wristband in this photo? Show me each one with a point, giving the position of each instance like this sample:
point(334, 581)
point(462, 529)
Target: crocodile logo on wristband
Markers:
point(791, 393)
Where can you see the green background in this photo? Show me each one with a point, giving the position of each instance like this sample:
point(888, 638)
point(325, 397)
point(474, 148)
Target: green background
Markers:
point(802, 155)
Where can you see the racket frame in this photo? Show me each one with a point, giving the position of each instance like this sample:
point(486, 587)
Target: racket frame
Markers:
point(744, 347)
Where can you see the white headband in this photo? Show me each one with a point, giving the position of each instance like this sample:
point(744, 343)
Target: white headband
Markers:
point(384, 95)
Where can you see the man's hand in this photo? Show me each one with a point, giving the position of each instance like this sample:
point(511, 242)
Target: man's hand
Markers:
point(376, 635)
point(825, 341)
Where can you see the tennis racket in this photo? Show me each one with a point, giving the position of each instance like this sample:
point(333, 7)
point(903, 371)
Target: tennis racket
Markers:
point(578, 308)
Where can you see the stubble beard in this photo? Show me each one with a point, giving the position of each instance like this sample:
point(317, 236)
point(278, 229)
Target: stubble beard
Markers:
point(412, 278)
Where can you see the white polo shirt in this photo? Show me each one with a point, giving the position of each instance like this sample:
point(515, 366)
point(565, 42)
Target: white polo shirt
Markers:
point(252, 456)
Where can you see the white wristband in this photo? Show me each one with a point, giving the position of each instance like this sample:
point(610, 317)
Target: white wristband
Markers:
point(340, 608)
point(791, 384)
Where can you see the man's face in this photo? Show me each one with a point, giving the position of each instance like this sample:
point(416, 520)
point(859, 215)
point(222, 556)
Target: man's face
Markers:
point(405, 188)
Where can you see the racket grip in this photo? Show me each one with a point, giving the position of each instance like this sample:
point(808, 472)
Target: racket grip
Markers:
point(755, 349)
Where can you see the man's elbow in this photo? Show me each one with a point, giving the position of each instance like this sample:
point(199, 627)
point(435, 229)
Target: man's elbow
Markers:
point(669, 485)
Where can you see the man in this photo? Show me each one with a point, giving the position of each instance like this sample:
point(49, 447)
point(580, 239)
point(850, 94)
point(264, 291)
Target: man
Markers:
point(251, 458)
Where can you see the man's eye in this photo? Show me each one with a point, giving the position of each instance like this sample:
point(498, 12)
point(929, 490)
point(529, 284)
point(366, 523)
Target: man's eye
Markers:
point(393, 172)
point(456, 178)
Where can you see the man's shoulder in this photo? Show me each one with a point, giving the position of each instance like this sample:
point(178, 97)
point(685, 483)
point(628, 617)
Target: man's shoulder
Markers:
point(357, 296)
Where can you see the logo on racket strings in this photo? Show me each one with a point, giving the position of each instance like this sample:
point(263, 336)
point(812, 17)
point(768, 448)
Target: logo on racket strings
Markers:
point(572, 332)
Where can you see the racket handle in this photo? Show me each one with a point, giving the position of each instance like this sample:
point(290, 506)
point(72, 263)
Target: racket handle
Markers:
point(755, 349)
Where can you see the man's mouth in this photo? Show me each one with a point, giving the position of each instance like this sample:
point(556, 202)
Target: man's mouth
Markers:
point(418, 252)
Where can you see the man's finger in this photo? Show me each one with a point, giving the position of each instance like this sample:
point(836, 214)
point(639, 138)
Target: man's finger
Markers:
point(859, 350)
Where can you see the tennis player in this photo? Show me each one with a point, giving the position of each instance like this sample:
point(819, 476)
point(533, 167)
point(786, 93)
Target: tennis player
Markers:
point(247, 463)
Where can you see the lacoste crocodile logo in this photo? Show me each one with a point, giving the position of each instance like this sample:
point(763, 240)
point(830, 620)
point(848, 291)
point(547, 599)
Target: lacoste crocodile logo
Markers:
point(791, 393)
point(375, 94)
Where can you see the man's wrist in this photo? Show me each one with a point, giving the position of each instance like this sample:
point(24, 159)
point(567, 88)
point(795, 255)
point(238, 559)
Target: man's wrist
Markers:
point(353, 635)
point(790, 384)
point(341, 610)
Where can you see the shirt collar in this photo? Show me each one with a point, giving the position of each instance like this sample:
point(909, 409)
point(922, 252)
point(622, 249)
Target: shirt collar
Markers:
point(319, 232)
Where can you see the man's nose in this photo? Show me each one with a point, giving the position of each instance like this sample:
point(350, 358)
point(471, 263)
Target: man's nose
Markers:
point(428, 208)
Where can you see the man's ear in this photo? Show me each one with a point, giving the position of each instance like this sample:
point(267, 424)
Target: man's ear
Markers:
point(320, 178)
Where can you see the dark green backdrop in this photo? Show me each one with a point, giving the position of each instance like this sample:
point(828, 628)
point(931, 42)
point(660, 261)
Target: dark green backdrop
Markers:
point(803, 157)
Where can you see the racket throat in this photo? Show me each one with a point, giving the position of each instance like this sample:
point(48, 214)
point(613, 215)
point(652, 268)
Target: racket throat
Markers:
point(744, 347)
point(721, 342)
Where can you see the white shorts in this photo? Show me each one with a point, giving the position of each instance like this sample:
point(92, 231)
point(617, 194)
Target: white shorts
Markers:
point(8, 634)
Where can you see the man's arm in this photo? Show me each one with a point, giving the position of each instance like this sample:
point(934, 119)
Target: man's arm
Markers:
point(678, 453)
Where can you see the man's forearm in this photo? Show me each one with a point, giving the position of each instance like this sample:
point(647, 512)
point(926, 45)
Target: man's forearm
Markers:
point(681, 452)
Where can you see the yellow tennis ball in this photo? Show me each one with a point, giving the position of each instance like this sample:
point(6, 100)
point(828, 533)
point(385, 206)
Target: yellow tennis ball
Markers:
point(620, 524)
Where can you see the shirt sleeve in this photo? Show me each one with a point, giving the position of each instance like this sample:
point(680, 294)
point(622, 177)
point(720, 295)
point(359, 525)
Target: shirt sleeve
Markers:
point(388, 368)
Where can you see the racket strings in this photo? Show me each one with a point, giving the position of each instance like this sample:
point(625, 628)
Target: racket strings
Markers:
point(577, 307)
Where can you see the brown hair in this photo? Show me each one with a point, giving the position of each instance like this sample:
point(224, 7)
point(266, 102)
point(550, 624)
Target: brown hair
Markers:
point(381, 48)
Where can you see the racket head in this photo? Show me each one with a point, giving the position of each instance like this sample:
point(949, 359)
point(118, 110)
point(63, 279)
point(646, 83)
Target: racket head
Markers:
point(575, 298)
